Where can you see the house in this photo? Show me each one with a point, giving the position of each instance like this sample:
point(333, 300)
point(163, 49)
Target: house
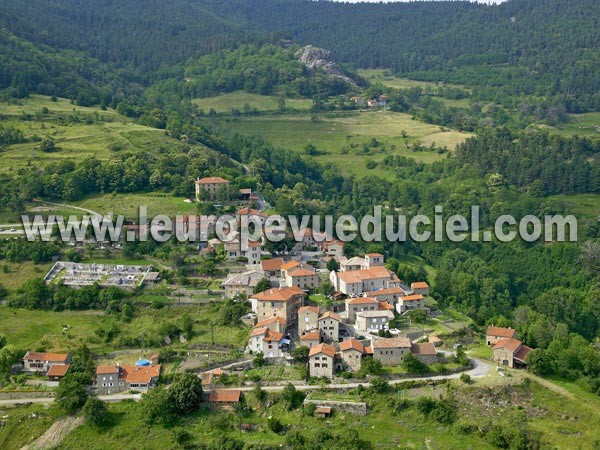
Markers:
point(390, 295)
point(224, 398)
point(115, 378)
point(308, 319)
point(358, 101)
point(425, 352)
point(320, 361)
point(382, 100)
point(373, 259)
point(323, 412)
point(420, 287)
point(510, 353)
point(334, 248)
point(355, 282)
point(496, 334)
point(271, 267)
point(390, 351)
point(329, 326)
point(410, 302)
point(354, 263)
point(266, 341)
point(373, 320)
point(282, 302)
point(57, 372)
point(372, 103)
point(210, 187)
point(34, 362)
point(310, 339)
point(273, 323)
point(301, 275)
point(307, 241)
point(212, 376)
point(359, 304)
point(242, 283)
point(252, 254)
point(352, 351)
point(250, 215)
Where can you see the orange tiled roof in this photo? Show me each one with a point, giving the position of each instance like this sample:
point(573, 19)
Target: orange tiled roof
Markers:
point(396, 342)
point(224, 395)
point(105, 370)
point(278, 295)
point(357, 276)
point(374, 255)
point(361, 300)
point(212, 180)
point(419, 285)
point(58, 370)
point(139, 374)
point(272, 336)
point(270, 265)
point(352, 344)
point(509, 344)
point(330, 315)
point(322, 348)
point(385, 306)
point(258, 331)
point(522, 353)
point(289, 265)
point(412, 298)
point(388, 291)
point(501, 332)
point(314, 336)
point(425, 348)
point(314, 309)
point(301, 272)
point(334, 242)
point(264, 323)
point(52, 357)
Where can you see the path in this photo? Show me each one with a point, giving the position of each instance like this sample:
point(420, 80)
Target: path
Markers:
point(54, 435)
point(64, 205)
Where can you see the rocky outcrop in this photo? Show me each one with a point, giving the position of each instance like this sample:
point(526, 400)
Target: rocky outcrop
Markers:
point(319, 58)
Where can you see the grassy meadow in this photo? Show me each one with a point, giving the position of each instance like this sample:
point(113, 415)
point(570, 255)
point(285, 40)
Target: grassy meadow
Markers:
point(586, 124)
point(224, 103)
point(128, 204)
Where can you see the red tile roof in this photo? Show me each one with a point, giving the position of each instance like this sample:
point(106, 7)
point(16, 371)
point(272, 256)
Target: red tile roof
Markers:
point(51, 357)
point(330, 315)
point(271, 336)
point(314, 336)
point(264, 323)
point(521, 355)
point(419, 285)
point(224, 395)
point(501, 332)
point(278, 295)
point(509, 344)
point(412, 298)
point(301, 272)
point(270, 265)
point(58, 370)
point(357, 276)
point(425, 348)
point(397, 342)
point(290, 265)
point(139, 374)
point(212, 180)
point(106, 370)
point(314, 309)
point(361, 300)
point(385, 306)
point(352, 344)
point(322, 348)
point(388, 291)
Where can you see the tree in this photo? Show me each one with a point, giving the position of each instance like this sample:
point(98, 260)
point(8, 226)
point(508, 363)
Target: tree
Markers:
point(300, 354)
point(259, 360)
point(292, 397)
point(187, 326)
point(333, 265)
point(155, 406)
point(70, 394)
point(413, 364)
point(2, 341)
point(540, 362)
point(327, 288)
point(370, 366)
point(259, 393)
point(379, 385)
point(185, 393)
point(82, 363)
point(47, 145)
point(262, 285)
point(95, 412)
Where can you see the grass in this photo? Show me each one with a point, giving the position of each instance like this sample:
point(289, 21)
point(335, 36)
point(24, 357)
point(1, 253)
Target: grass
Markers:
point(224, 103)
point(341, 138)
point(128, 204)
point(385, 77)
point(24, 424)
point(13, 275)
point(586, 124)
point(581, 205)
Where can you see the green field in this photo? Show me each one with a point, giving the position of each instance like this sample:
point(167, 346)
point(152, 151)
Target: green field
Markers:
point(385, 77)
point(128, 204)
point(586, 124)
point(226, 102)
point(581, 205)
point(342, 136)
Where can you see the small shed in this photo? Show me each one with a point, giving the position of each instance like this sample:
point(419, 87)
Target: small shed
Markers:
point(323, 412)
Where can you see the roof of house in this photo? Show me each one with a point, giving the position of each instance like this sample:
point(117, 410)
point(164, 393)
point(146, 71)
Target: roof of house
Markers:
point(434, 339)
point(290, 265)
point(386, 306)
point(248, 212)
point(354, 261)
point(522, 353)
point(322, 348)
point(272, 336)
point(139, 374)
point(313, 336)
point(224, 395)
point(258, 331)
point(357, 276)
point(301, 272)
point(387, 291)
point(419, 285)
point(270, 265)
point(396, 342)
point(323, 410)
point(212, 180)
point(58, 370)
point(352, 344)
point(53, 357)
point(412, 298)
point(249, 279)
point(508, 344)
point(423, 349)
point(330, 315)
point(278, 295)
point(313, 309)
point(106, 370)
point(334, 242)
point(269, 321)
point(374, 255)
point(377, 313)
point(361, 300)
point(501, 332)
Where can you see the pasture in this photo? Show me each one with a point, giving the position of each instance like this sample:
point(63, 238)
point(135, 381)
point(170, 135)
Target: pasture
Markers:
point(224, 103)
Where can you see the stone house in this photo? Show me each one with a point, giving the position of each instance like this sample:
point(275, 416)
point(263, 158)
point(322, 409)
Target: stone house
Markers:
point(225, 399)
point(496, 334)
point(281, 302)
point(333, 249)
point(112, 379)
point(271, 267)
point(420, 287)
point(390, 351)
point(390, 295)
point(264, 340)
point(303, 276)
point(310, 339)
point(356, 282)
point(308, 319)
point(373, 320)
point(351, 352)
point(212, 186)
point(241, 283)
point(329, 326)
point(410, 302)
point(425, 352)
point(321, 361)
point(35, 362)
point(511, 353)
point(273, 323)
point(360, 304)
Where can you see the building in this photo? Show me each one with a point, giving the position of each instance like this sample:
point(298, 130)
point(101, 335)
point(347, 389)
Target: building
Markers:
point(425, 352)
point(273, 323)
point(34, 362)
point(420, 287)
point(390, 295)
point(355, 282)
point(410, 302)
point(496, 334)
point(251, 254)
point(511, 353)
point(390, 351)
point(321, 361)
point(308, 319)
point(359, 304)
point(57, 372)
point(354, 263)
point(281, 302)
point(334, 249)
point(210, 187)
point(111, 379)
point(266, 341)
point(352, 351)
point(303, 276)
point(367, 321)
point(373, 259)
point(329, 326)
point(242, 283)
point(271, 267)
point(310, 339)
point(224, 398)
point(323, 412)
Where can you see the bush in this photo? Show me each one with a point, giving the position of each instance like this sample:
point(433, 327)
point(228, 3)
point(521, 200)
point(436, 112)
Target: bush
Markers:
point(95, 412)
point(70, 395)
point(275, 425)
point(185, 393)
point(465, 378)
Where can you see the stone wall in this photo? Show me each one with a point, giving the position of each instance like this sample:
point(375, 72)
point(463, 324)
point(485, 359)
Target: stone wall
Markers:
point(358, 408)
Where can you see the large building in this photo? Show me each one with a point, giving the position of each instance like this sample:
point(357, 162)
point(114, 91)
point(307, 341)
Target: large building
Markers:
point(115, 378)
point(356, 282)
point(511, 353)
point(359, 304)
point(496, 334)
point(329, 326)
point(390, 351)
point(281, 302)
point(35, 362)
point(308, 317)
point(321, 361)
point(367, 321)
point(210, 187)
